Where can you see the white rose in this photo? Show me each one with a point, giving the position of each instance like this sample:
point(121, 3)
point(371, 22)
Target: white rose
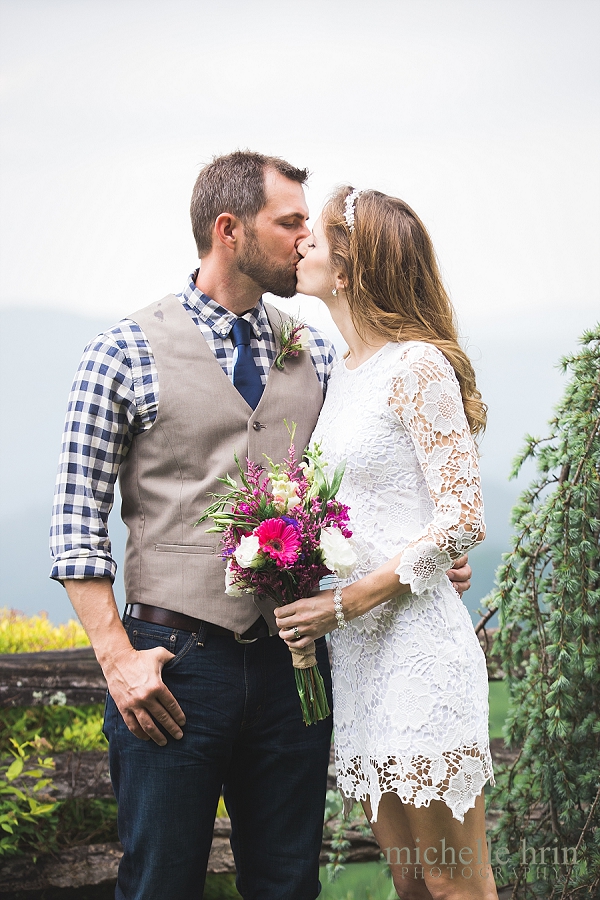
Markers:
point(231, 588)
point(247, 554)
point(338, 552)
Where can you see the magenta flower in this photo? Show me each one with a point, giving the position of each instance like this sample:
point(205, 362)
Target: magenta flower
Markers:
point(279, 541)
point(284, 560)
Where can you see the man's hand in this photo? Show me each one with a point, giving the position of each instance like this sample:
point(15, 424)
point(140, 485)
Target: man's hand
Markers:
point(460, 575)
point(135, 683)
point(134, 677)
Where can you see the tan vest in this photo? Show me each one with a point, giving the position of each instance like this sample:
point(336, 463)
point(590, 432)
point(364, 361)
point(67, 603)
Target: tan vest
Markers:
point(170, 471)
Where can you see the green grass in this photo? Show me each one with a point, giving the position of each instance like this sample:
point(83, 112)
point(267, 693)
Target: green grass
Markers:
point(220, 887)
point(358, 881)
point(498, 707)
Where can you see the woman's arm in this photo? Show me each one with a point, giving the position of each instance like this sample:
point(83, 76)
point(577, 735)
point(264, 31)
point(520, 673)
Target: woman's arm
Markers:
point(425, 397)
point(316, 614)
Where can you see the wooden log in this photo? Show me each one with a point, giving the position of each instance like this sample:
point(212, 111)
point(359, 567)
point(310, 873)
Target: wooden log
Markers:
point(51, 678)
point(81, 774)
point(74, 677)
point(85, 773)
point(363, 848)
point(94, 864)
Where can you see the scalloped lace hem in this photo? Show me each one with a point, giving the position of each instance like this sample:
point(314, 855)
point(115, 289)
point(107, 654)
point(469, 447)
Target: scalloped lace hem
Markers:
point(456, 777)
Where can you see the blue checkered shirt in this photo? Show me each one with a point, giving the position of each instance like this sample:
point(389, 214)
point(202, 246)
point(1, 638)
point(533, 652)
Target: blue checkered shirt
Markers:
point(114, 397)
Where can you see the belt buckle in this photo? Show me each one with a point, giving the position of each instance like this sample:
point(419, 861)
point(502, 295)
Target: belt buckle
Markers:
point(241, 640)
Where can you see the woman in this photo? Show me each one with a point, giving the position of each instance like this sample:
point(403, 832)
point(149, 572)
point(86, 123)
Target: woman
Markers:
point(410, 681)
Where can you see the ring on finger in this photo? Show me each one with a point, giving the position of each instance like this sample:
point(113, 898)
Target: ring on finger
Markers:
point(297, 634)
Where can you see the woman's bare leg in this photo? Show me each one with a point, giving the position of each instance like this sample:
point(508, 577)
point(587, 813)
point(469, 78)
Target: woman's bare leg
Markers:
point(393, 834)
point(431, 854)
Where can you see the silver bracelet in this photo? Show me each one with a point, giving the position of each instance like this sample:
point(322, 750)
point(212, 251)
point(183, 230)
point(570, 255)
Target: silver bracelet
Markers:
point(337, 605)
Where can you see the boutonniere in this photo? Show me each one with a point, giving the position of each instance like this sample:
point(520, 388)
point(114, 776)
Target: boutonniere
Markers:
point(294, 338)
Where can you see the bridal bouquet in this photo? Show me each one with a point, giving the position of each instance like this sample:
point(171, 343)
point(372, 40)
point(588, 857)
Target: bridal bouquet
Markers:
point(283, 530)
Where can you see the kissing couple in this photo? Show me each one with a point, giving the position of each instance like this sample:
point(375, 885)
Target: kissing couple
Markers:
point(202, 696)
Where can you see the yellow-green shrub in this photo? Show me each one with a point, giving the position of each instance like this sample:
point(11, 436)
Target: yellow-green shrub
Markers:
point(26, 634)
point(26, 824)
point(65, 728)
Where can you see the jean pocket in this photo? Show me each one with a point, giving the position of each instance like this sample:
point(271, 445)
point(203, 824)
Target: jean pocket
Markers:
point(147, 637)
point(144, 636)
point(186, 646)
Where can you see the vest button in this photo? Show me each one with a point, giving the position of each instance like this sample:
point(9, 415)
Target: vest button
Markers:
point(258, 425)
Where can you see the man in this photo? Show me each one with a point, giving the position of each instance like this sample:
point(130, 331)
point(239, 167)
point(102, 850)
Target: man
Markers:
point(200, 698)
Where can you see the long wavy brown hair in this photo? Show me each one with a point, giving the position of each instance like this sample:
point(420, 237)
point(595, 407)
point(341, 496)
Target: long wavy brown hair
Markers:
point(393, 283)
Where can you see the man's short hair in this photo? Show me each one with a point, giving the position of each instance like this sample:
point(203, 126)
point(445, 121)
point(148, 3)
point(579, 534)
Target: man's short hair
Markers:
point(233, 184)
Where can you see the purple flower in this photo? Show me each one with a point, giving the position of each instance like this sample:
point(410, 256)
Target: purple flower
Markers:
point(291, 521)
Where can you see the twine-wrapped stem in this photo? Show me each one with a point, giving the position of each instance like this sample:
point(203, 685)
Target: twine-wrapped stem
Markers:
point(304, 657)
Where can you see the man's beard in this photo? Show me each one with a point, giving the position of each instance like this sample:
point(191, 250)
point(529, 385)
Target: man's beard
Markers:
point(279, 280)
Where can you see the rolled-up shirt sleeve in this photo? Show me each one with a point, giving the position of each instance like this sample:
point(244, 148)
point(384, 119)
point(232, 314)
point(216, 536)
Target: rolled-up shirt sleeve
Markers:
point(114, 397)
point(103, 414)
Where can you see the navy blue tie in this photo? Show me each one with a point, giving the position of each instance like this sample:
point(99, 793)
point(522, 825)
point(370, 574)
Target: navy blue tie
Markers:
point(246, 377)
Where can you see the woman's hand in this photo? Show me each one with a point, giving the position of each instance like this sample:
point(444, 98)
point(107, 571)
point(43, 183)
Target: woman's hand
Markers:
point(460, 575)
point(315, 616)
point(311, 617)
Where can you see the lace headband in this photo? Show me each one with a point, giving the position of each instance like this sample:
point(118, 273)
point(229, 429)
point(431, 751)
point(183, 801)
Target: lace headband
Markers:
point(349, 205)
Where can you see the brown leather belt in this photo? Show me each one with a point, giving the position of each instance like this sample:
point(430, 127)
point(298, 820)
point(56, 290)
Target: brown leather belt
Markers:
point(156, 615)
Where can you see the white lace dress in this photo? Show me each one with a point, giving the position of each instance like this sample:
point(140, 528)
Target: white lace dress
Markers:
point(410, 680)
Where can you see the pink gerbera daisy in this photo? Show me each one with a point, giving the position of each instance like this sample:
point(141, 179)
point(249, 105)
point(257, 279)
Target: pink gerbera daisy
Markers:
point(279, 541)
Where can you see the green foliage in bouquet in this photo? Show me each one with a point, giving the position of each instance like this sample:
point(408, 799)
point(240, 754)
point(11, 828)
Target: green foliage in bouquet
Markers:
point(221, 510)
point(283, 531)
point(548, 593)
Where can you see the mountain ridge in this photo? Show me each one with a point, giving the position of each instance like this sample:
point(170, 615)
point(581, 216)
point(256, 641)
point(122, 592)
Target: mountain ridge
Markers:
point(39, 353)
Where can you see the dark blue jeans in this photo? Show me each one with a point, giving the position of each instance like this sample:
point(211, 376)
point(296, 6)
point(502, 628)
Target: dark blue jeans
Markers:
point(244, 734)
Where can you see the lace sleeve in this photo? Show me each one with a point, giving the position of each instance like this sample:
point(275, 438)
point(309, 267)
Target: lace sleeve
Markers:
point(426, 398)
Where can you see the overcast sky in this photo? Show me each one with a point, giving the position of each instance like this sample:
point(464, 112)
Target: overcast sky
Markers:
point(482, 114)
